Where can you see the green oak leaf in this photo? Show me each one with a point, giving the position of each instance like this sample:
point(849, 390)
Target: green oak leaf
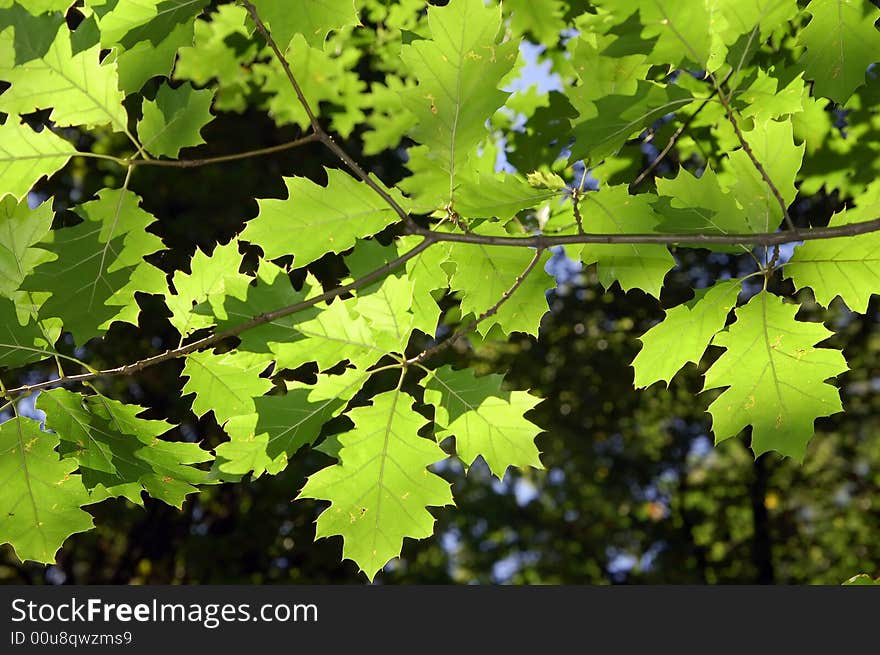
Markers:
point(130, 24)
point(119, 213)
point(862, 579)
point(314, 219)
point(313, 19)
point(459, 70)
point(226, 384)
point(428, 277)
point(700, 204)
point(116, 18)
point(387, 310)
point(546, 132)
point(213, 278)
point(281, 425)
point(323, 79)
point(94, 262)
point(79, 88)
point(33, 35)
point(37, 7)
point(744, 16)
point(80, 281)
point(841, 43)
point(847, 267)
point(210, 56)
point(485, 273)
point(26, 343)
point(612, 210)
point(485, 420)
point(503, 196)
point(120, 454)
point(773, 145)
point(41, 499)
point(684, 334)
point(174, 119)
point(680, 31)
point(136, 65)
point(763, 100)
point(26, 156)
point(336, 333)
point(542, 18)
point(602, 75)
point(21, 228)
point(614, 119)
point(775, 377)
point(381, 487)
point(272, 291)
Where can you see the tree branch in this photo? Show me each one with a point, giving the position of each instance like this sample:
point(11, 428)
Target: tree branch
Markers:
point(267, 317)
point(322, 135)
point(458, 334)
point(698, 238)
point(429, 238)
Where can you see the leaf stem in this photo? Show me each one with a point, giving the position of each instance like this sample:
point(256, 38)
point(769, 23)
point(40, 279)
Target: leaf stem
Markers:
point(446, 343)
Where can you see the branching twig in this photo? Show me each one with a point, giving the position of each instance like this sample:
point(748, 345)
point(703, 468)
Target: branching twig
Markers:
point(540, 242)
point(322, 135)
point(672, 141)
point(213, 339)
point(725, 101)
point(458, 334)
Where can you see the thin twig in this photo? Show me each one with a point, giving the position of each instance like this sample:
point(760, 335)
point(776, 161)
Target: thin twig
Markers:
point(213, 339)
point(725, 101)
point(576, 209)
point(322, 135)
point(194, 163)
point(672, 141)
point(458, 334)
